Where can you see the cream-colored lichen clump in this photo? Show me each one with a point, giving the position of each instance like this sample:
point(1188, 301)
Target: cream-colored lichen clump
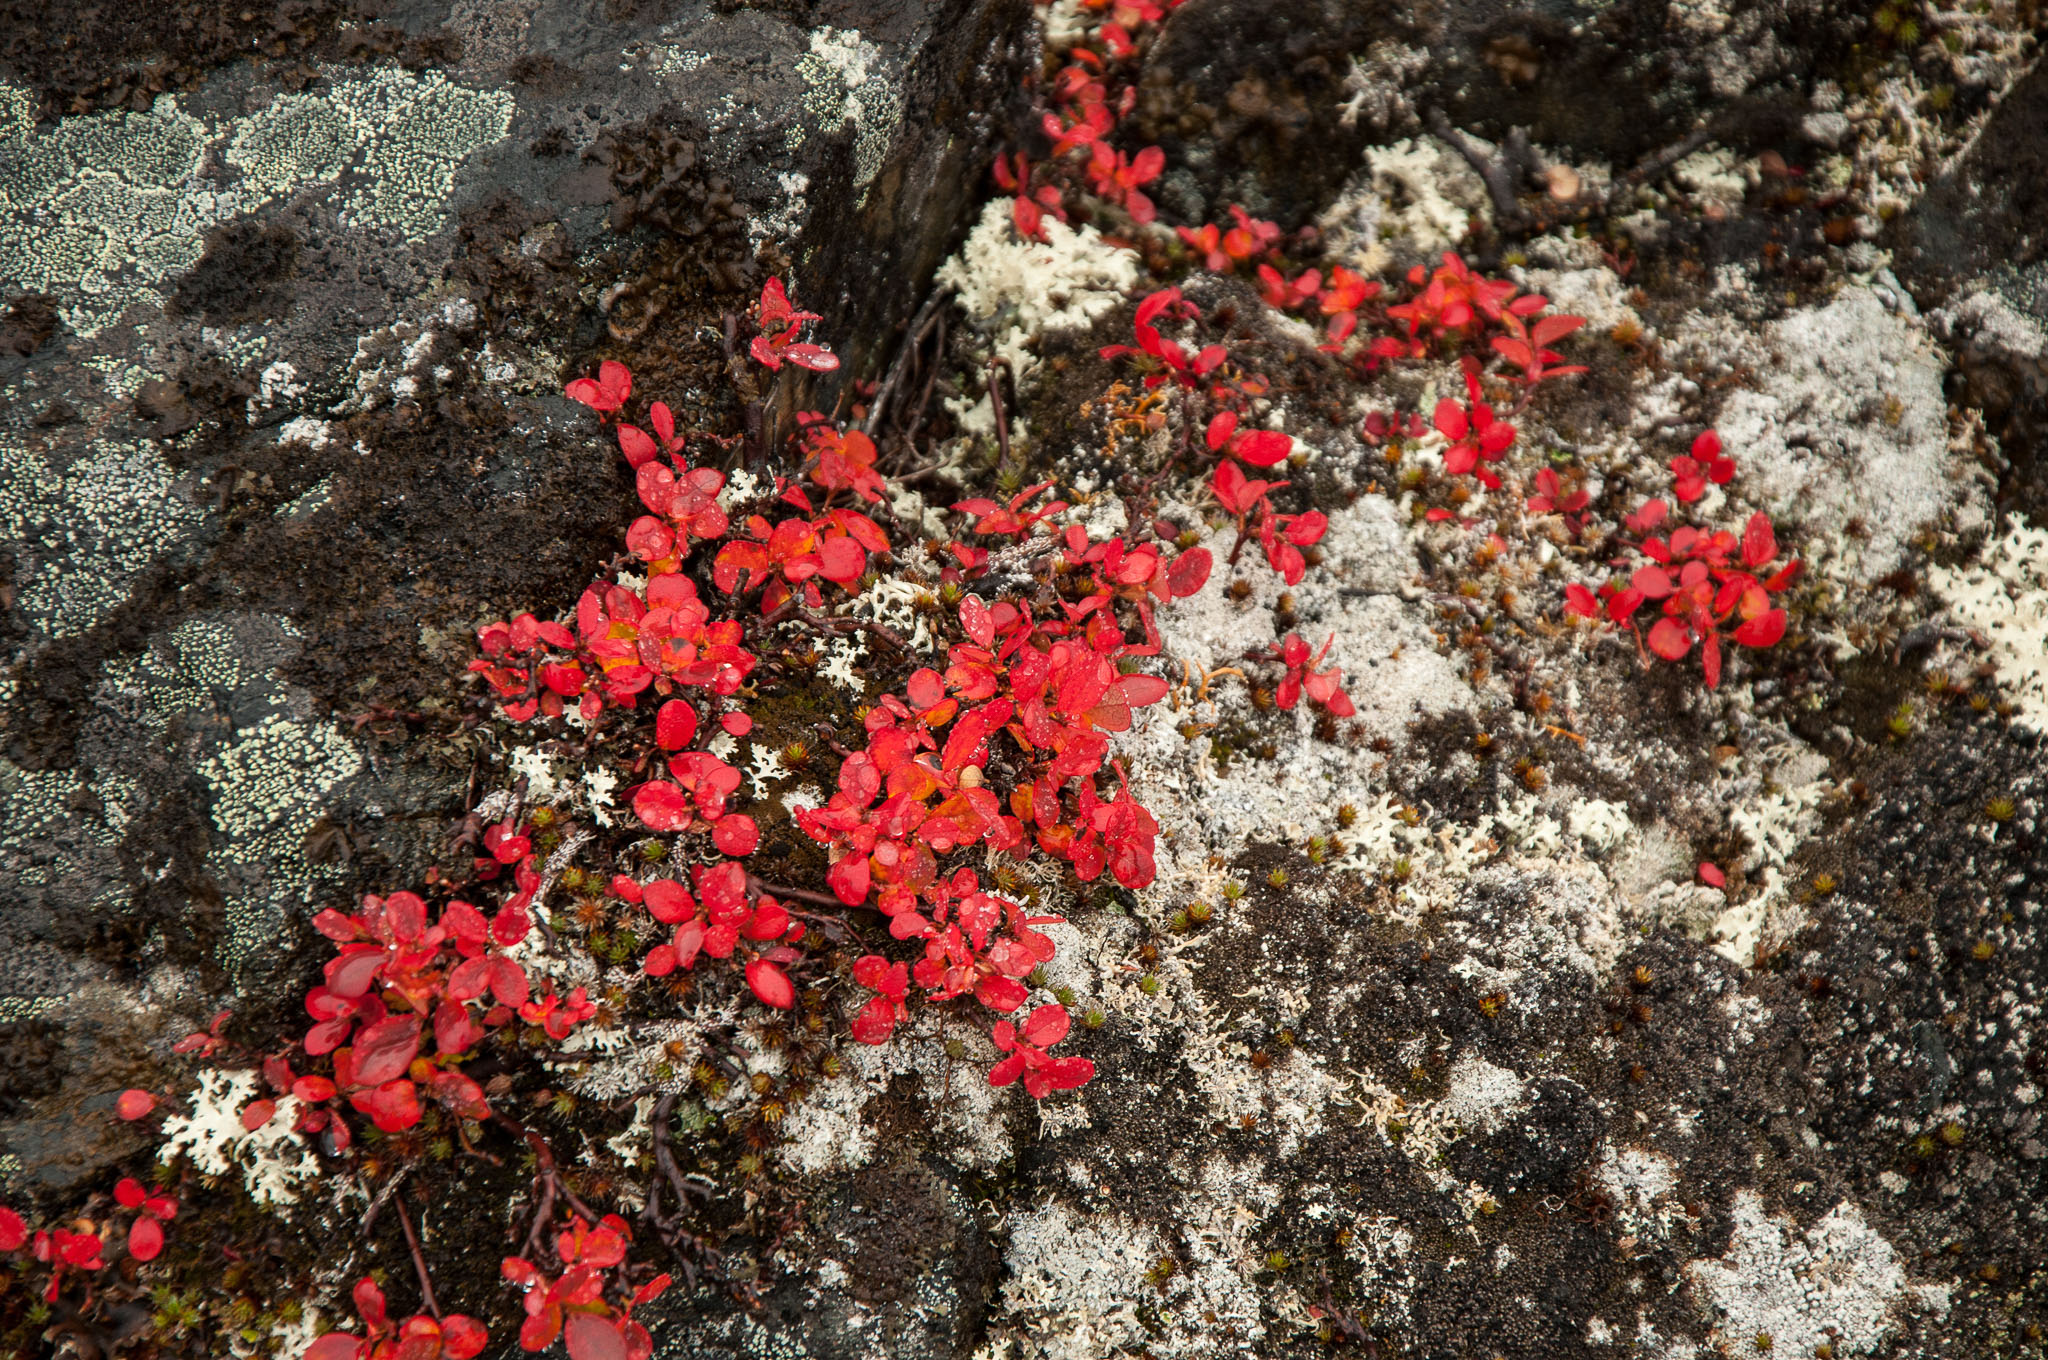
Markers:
point(2005, 597)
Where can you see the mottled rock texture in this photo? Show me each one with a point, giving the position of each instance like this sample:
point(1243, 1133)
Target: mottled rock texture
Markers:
point(1460, 1057)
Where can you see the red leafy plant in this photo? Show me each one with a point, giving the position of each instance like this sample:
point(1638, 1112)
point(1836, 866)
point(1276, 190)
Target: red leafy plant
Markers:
point(419, 1337)
point(155, 1208)
point(397, 980)
point(1323, 687)
point(780, 324)
point(573, 1305)
point(1708, 583)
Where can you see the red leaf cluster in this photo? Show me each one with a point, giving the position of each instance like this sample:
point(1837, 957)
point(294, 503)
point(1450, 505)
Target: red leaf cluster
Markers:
point(418, 1337)
point(780, 324)
point(1223, 249)
point(1323, 687)
point(1708, 583)
point(573, 1306)
point(395, 976)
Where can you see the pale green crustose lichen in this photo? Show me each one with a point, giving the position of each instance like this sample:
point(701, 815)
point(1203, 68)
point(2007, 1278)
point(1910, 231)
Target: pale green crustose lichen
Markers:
point(845, 84)
point(89, 529)
point(102, 210)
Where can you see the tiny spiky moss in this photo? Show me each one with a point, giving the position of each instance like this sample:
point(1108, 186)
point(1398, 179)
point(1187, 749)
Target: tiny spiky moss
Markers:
point(1200, 912)
point(1149, 984)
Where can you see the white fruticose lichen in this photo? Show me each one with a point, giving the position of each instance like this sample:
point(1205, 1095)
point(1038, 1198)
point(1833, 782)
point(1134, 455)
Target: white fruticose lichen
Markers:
point(2005, 597)
point(1837, 1283)
point(841, 654)
point(1416, 196)
point(103, 209)
point(88, 530)
point(275, 1162)
point(1598, 825)
point(1016, 290)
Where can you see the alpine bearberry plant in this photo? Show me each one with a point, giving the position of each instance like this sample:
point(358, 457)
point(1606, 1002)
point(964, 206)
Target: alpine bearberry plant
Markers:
point(982, 746)
point(1707, 583)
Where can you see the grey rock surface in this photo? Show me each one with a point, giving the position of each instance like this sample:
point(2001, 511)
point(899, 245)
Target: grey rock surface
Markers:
point(1461, 1056)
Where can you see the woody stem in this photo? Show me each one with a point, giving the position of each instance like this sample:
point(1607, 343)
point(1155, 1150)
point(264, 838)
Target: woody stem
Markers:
point(419, 1261)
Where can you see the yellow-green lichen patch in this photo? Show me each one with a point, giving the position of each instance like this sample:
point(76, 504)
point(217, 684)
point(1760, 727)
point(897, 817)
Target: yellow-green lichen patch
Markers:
point(102, 210)
point(86, 532)
point(269, 787)
point(845, 84)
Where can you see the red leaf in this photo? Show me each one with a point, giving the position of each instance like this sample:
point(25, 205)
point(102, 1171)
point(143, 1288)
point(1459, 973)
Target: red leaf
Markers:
point(384, 1050)
point(1064, 1074)
point(508, 981)
point(145, 1238)
point(977, 622)
point(675, 724)
point(313, 1090)
point(735, 835)
point(843, 560)
point(636, 445)
point(134, 1104)
point(1669, 639)
point(462, 1337)
point(342, 1345)
point(814, 357)
point(454, 1030)
point(590, 1337)
point(875, 1022)
point(257, 1113)
point(393, 1106)
point(662, 806)
point(669, 901)
point(1653, 582)
point(1002, 994)
point(1763, 630)
point(1047, 1026)
point(1711, 875)
point(1264, 448)
point(1189, 572)
point(771, 985)
point(1759, 543)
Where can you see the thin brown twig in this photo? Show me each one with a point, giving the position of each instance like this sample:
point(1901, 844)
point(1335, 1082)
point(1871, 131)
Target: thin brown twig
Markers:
point(995, 401)
point(795, 894)
point(1493, 172)
point(914, 336)
point(903, 442)
point(419, 1260)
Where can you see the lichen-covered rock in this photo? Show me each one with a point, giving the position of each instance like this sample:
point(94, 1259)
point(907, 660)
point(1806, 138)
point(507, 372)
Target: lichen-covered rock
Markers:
point(1551, 1003)
point(284, 352)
